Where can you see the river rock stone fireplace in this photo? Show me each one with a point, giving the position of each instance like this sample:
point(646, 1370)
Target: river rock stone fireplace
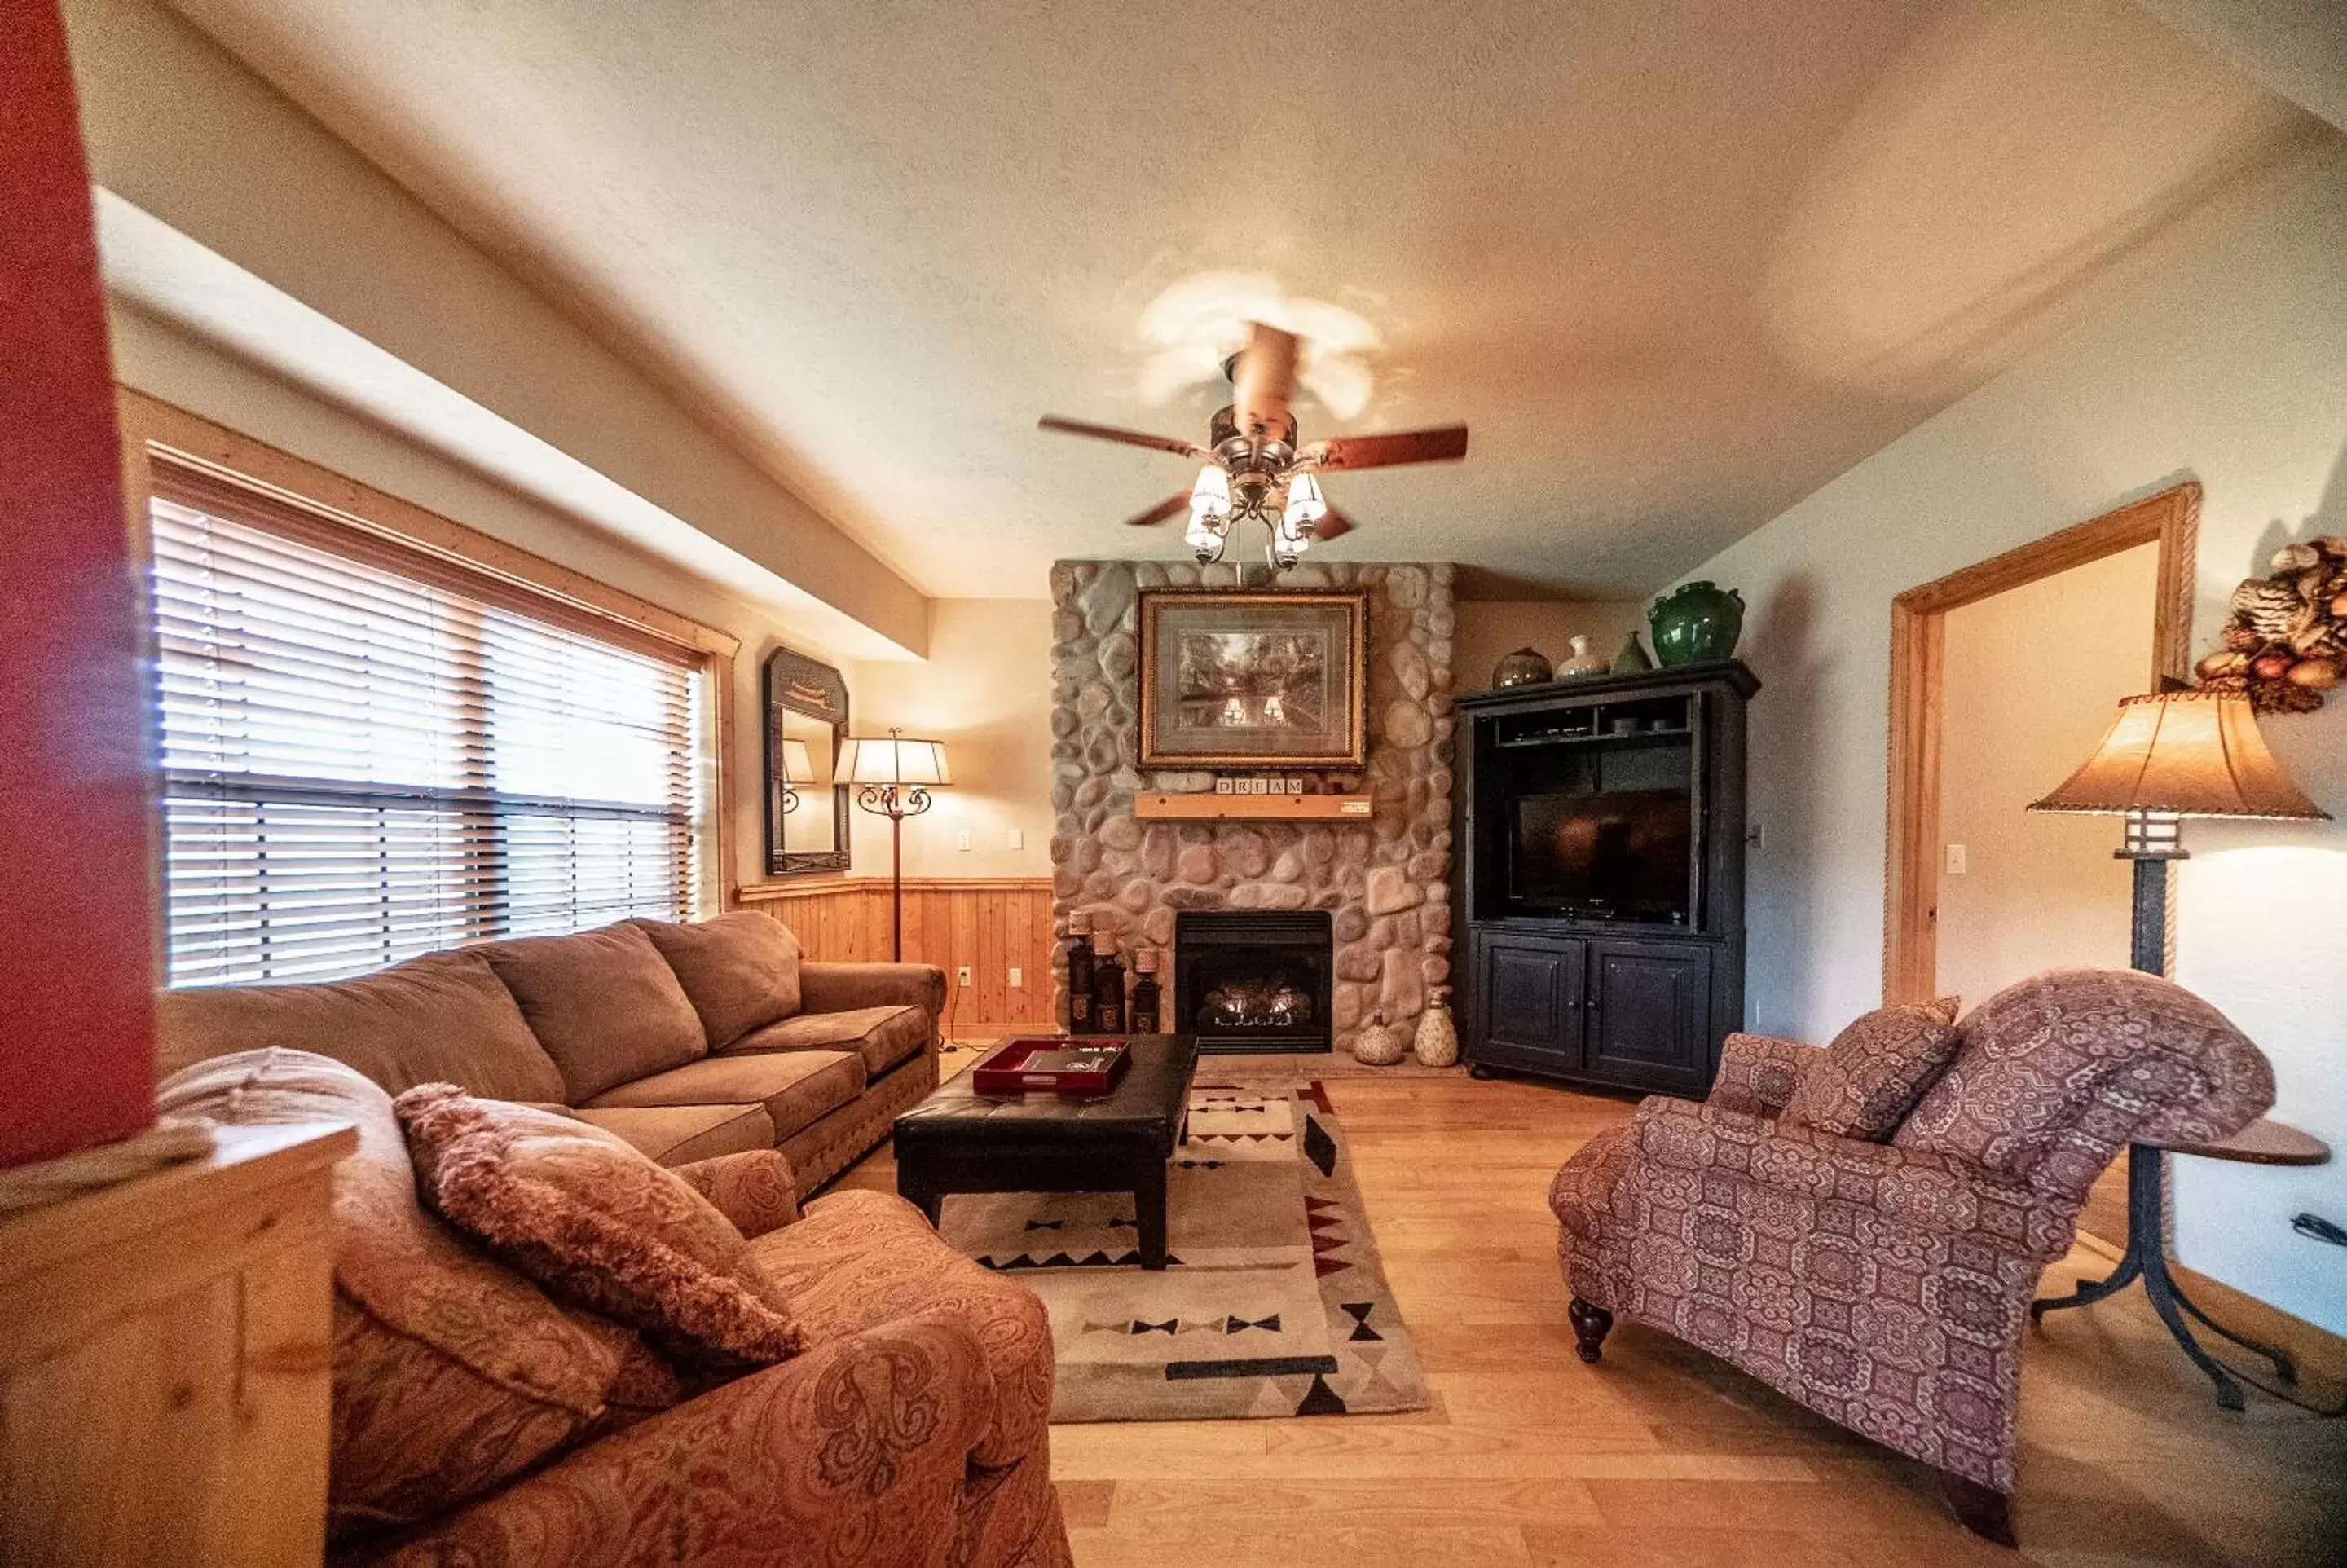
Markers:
point(1380, 883)
point(1252, 980)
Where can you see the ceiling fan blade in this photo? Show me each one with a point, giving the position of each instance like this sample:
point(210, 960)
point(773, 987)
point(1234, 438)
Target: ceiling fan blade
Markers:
point(1443, 444)
point(1174, 444)
point(1333, 525)
point(1263, 383)
point(1163, 509)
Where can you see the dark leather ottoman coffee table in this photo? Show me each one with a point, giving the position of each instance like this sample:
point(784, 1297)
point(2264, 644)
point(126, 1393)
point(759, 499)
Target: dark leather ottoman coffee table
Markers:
point(957, 1141)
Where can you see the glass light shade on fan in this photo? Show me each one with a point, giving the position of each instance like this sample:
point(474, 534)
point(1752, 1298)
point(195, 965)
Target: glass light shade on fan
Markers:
point(1305, 504)
point(1211, 496)
point(894, 760)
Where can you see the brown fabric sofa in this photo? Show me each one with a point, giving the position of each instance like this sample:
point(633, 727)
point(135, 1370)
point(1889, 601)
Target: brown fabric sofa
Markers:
point(1884, 1285)
point(686, 1040)
point(477, 1421)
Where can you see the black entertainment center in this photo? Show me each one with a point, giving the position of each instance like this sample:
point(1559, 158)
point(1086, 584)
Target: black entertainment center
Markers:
point(1605, 886)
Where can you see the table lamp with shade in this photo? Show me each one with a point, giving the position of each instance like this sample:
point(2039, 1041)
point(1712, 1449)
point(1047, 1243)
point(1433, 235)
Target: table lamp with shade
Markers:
point(893, 776)
point(2170, 754)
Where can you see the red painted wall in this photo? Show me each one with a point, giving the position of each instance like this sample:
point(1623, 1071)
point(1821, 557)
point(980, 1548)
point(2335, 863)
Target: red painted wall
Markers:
point(76, 959)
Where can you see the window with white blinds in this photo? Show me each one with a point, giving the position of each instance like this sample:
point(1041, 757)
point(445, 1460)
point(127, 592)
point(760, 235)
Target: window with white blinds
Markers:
point(363, 763)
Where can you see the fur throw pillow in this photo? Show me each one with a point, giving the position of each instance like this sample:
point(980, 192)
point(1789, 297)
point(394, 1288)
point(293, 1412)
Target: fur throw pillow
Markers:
point(598, 1223)
point(1874, 1073)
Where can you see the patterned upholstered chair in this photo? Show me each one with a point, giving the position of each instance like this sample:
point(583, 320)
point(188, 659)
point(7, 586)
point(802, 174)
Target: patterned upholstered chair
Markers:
point(1883, 1283)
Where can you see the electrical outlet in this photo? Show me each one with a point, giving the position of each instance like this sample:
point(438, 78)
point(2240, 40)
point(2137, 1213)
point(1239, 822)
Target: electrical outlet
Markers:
point(961, 839)
point(1018, 979)
point(965, 974)
point(1956, 860)
point(1017, 838)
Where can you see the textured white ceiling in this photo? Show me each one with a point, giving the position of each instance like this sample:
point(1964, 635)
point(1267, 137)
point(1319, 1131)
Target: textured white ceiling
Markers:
point(1677, 262)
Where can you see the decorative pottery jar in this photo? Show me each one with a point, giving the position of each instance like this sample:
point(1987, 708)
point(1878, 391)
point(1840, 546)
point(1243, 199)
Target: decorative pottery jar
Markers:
point(1378, 1044)
point(1697, 624)
point(1582, 662)
point(1524, 667)
point(1438, 1037)
point(1633, 658)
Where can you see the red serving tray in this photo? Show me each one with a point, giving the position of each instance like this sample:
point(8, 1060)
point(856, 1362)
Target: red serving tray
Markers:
point(1002, 1071)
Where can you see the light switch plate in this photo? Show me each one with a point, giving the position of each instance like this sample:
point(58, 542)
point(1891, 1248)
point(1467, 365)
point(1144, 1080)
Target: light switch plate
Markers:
point(1018, 979)
point(1956, 860)
point(1016, 838)
point(961, 839)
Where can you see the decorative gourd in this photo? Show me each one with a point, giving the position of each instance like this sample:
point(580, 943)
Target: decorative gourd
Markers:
point(1378, 1044)
point(1438, 1037)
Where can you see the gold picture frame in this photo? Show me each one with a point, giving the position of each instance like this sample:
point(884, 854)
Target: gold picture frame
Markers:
point(1239, 680)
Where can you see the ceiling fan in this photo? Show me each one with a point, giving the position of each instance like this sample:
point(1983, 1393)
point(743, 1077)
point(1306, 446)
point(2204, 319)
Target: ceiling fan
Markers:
point(1254, 468)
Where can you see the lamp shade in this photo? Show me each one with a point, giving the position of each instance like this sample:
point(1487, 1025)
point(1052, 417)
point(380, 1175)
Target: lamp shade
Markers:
point(2183, 753)
point(894, 760)
point(797, 766)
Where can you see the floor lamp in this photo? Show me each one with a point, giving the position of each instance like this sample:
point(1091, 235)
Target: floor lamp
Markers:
point(893, 777)
point(2169, 756)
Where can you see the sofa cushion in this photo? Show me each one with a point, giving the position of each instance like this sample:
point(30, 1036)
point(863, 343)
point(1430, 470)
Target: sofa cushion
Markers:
point(1863, 1084)
point(444, 1016)
point(740, 971)
point(604, 1003)
point(883, 1036)
point(451, 1373)
point(679, 1134)
point(798, 1087)
point(599, 1224)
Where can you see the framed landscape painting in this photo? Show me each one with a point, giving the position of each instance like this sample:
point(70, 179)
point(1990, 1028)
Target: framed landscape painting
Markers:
point(1235, 679)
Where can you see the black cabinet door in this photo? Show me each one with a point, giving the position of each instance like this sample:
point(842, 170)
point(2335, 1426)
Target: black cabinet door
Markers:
point(1528, 1001)
point(1650, 1015)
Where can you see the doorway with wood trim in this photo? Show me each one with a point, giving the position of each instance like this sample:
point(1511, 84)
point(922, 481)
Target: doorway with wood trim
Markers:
point(2004, 675)
point(2169, 521)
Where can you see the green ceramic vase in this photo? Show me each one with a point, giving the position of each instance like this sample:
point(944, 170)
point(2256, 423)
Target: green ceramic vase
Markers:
point(1697, 624)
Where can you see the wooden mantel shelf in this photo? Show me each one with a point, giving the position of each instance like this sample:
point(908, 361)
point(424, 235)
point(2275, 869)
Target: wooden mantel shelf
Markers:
point(1200, 807)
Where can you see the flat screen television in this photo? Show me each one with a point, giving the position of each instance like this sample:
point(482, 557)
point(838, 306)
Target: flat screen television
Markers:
point(1603, 855)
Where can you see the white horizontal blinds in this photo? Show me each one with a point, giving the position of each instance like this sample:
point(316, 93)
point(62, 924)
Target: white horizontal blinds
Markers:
point(361, 763)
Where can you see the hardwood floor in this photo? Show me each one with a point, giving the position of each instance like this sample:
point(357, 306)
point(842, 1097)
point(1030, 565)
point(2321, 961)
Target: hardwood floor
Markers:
point(1661, 1457)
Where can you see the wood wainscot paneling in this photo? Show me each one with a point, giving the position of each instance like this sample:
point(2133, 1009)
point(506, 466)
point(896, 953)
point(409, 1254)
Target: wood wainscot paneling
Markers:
point(990, 924)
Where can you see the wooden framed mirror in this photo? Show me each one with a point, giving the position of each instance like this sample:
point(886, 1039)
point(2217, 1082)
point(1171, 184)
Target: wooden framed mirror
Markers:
point(806, 726)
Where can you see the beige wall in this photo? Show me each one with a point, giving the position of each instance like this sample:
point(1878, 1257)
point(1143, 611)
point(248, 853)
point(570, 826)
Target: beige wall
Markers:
point(1490, 629)
point(985, 691)
point(2031, 678)
point(182, 131)
point(2233, 369)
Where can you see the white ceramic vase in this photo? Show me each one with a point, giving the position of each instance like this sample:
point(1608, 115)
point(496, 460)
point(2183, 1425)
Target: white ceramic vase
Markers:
point(1582, 661)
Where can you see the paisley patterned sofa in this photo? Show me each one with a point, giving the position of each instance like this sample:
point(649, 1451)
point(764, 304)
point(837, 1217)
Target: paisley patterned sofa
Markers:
point(477, 1421)
point(1884, 1284)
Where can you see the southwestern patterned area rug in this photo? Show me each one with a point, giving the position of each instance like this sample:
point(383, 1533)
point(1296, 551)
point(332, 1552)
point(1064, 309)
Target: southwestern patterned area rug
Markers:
point(1273, 1301)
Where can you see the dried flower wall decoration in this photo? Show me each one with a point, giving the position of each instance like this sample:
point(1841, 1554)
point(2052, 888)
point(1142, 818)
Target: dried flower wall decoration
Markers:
point(2285, 643)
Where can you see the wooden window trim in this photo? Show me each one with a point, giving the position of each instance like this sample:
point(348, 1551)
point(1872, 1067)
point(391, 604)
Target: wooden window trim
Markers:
point(388, 530)
point(1911, 882)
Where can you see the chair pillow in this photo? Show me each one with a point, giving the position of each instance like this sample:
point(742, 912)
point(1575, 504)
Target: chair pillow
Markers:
point(741, 970)
point(1866, 1081)
point(596, 1223)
